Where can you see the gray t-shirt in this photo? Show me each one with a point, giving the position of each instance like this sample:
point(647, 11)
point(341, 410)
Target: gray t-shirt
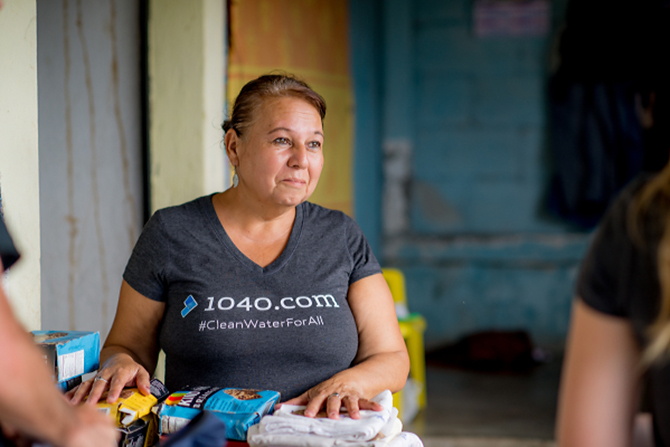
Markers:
point(229, 322)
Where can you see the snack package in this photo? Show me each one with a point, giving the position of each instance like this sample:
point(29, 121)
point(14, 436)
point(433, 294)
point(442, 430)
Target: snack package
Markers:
point(69, 354)
point(133, 405)
point(238, 408)
point(140, 433)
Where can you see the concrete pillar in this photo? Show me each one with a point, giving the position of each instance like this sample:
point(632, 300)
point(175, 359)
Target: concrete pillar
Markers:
point(186, 99)
point(19, 169)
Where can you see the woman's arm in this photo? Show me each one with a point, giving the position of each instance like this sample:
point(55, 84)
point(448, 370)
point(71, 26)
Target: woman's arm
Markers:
point(382, 353)
point(599, 386)
point(382, 361)
point(130, 352)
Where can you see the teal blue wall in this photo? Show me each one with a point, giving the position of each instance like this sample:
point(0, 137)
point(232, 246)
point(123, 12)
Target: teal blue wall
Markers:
point(477, 248)
point(365, 44)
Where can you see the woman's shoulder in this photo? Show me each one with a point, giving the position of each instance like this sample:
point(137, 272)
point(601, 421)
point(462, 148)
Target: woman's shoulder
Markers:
point(184, 213)
point(635, 185)
point(621, 204)
point(313, 211)
point(195, 205)
point(626, 221)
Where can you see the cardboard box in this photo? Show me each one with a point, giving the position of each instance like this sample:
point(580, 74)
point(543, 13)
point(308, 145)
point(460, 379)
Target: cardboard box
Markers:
point(69, 354)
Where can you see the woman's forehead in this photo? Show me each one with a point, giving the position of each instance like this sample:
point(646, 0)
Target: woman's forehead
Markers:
point(286, 109)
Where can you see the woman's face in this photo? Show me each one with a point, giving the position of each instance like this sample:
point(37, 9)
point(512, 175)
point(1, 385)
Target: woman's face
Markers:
point(280, 155)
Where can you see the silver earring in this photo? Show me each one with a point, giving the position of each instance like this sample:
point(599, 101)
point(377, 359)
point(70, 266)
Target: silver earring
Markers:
point(236, 180)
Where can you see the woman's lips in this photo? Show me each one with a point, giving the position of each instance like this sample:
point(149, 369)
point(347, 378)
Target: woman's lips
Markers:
point(295, 181)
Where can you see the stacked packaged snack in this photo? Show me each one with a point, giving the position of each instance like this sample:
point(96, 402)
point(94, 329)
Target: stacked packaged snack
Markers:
point(133, 416)
point(238, 408)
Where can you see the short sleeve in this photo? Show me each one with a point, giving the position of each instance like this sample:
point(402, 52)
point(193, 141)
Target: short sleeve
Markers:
point(608, 269)
point(7, 249)
point(145, 270)
point(364, 261)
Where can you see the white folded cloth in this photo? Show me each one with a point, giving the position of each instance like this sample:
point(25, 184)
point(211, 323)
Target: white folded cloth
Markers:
point(374, 429)
point(286, 421)
point(404, 439)
point(257, 439)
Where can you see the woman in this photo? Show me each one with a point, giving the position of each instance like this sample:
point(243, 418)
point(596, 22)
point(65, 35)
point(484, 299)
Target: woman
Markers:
point(255, 287)
point(618, 346)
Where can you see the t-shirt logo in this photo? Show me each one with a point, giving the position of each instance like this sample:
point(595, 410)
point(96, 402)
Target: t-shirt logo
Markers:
point(189, 304)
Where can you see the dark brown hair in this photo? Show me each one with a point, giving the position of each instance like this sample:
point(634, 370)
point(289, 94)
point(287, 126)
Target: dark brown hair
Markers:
point(268, 86)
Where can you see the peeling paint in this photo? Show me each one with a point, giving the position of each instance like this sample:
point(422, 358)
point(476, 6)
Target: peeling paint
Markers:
point(70, 217)
point(397, 173)
point(97, 201)
point(435, 207)
point(121, 131)
point(90, 157)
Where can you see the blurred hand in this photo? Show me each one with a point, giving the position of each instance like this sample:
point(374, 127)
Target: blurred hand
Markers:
point(81, 426)
point(93, 428)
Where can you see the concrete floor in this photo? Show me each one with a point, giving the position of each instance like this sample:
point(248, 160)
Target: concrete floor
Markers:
point(470, 409)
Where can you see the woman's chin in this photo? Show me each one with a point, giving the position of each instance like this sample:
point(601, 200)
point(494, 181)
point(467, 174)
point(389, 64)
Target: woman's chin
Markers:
point(291, 198)
point(291, 202)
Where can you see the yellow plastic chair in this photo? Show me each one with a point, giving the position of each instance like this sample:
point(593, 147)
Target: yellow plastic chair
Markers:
point(412, 327)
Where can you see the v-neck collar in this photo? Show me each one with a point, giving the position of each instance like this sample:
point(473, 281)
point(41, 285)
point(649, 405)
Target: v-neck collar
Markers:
point(277, 264)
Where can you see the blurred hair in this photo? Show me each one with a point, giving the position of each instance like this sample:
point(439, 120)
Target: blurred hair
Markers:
point(265, 87)
point(649, 218)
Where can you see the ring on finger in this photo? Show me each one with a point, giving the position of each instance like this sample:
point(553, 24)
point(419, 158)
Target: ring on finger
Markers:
point(335, 395)
point(100, 378)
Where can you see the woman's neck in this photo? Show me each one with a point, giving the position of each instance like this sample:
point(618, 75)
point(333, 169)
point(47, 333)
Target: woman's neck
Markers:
point(255, 223)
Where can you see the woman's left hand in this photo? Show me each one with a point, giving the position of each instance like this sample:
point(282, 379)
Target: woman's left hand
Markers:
point(332, 396)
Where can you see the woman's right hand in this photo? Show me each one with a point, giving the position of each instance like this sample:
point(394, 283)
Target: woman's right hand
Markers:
point(130, 350)
point(118, 372)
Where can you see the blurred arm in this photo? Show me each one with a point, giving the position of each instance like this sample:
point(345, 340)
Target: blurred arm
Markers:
point(599, 386)
point(30, 402)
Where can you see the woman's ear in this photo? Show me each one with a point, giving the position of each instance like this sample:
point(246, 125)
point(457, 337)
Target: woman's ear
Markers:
point(230, 141)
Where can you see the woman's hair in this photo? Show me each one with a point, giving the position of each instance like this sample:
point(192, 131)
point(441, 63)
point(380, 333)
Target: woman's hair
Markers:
point(268, 86)
point(650, 221)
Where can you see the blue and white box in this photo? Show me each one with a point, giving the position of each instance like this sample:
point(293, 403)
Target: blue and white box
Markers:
point(69, 354)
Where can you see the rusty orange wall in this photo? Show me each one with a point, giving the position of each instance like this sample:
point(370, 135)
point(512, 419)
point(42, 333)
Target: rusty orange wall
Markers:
point(308, 38)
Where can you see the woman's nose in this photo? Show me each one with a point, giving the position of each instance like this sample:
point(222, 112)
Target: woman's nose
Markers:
point(298, 157)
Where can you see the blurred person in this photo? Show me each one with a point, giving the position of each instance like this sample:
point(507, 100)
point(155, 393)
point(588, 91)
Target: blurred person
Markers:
point(31, 406)
point(606, 57)
point(615, 387)
point(255, 287)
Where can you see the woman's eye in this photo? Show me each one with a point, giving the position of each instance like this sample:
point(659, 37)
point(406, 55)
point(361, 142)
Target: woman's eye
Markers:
point(315, 145)
point(282, 140)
